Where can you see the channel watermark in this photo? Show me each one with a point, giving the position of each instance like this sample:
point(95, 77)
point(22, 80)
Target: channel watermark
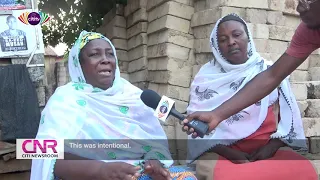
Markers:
point(40, 149)
point(34, 18)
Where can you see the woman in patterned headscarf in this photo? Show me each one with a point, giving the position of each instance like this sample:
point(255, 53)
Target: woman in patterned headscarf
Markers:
point(251, 143)
point(99, 107)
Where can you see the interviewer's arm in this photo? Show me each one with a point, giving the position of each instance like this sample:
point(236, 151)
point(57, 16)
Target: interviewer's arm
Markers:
point(259, 87)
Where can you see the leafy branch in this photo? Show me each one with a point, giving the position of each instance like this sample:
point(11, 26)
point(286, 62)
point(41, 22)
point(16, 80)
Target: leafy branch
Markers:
point(70, 17)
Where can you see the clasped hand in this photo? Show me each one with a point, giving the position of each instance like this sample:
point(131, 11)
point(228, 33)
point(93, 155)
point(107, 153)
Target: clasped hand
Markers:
point(155, 170)
point(239, 157)
point(124, 171)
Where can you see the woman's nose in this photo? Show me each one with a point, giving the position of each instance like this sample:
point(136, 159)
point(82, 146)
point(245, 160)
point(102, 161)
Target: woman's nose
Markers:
point(231, 42)
point(105, 60)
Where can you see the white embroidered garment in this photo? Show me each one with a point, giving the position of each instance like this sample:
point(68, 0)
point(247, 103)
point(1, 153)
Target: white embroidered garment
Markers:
point(82, 112)
point(218, 81)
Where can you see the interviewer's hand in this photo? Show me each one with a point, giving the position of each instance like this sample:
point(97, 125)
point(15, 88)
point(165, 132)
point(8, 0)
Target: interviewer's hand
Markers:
point(208, 117)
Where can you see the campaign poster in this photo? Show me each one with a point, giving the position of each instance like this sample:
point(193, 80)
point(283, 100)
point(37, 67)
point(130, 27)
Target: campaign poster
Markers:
point(12, 4)
point(18, 38)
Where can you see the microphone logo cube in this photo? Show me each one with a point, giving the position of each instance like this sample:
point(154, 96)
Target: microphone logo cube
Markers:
point(163, 109)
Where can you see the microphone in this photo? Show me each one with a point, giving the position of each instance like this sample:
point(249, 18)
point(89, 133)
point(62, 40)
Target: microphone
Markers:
point(152, 99)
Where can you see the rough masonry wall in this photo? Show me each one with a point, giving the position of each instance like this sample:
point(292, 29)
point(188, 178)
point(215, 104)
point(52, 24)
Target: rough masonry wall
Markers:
point(170, 60)
point(62, 73)
point(136, 15)
point(167, 41)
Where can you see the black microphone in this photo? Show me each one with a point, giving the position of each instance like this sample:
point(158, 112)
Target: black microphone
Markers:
point(152, 99)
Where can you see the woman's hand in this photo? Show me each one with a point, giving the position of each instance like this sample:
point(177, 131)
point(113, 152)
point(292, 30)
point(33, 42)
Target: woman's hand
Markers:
point(237, 157)
point(209, 117)
point(233, 155)
point(117, 171)
point(155, 170)
point(267, 151)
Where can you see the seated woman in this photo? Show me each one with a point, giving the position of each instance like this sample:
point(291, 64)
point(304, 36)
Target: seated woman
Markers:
point(100, 106)
point(257, 141)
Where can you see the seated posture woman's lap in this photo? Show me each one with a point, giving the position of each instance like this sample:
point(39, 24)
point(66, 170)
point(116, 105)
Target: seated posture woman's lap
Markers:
point(100, 107)
point(255, 143)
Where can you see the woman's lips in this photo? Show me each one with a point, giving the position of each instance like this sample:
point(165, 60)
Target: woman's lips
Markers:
point(105, 73)
point(234, 51)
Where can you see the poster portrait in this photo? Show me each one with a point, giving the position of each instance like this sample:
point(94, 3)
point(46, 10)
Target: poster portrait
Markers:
point(17, 38)
point(12, 4)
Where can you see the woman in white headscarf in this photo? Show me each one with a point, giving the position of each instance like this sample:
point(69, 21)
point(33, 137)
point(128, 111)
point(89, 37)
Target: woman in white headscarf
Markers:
point(100, 107)
point(254, 143)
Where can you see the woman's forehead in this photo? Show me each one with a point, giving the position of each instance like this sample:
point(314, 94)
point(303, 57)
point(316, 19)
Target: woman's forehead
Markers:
point(97, 44)
point(231, 25)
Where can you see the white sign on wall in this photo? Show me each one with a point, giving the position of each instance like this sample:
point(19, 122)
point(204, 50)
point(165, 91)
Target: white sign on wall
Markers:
point(18, 39)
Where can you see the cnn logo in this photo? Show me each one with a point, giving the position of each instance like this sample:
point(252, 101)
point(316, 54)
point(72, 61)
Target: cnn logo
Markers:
point(43, 145)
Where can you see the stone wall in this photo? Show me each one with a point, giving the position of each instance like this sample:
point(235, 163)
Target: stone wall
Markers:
point(50, 74)
point(161, 45)
point(62, 73)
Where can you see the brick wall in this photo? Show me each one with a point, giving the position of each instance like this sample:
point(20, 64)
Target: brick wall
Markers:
point(50, 74)
point(162, 44)
point(62, 73)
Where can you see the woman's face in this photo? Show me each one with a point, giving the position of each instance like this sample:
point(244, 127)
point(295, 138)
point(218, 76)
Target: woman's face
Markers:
point(98, 63)
point(233, 42)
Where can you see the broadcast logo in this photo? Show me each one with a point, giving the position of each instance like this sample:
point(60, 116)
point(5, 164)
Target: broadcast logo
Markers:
point(34, 18)
point(163, 109)
point(40, 149)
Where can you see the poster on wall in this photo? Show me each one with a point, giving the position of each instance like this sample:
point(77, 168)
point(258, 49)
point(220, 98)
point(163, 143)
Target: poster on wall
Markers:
point(12, 4)
point(18, 38)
